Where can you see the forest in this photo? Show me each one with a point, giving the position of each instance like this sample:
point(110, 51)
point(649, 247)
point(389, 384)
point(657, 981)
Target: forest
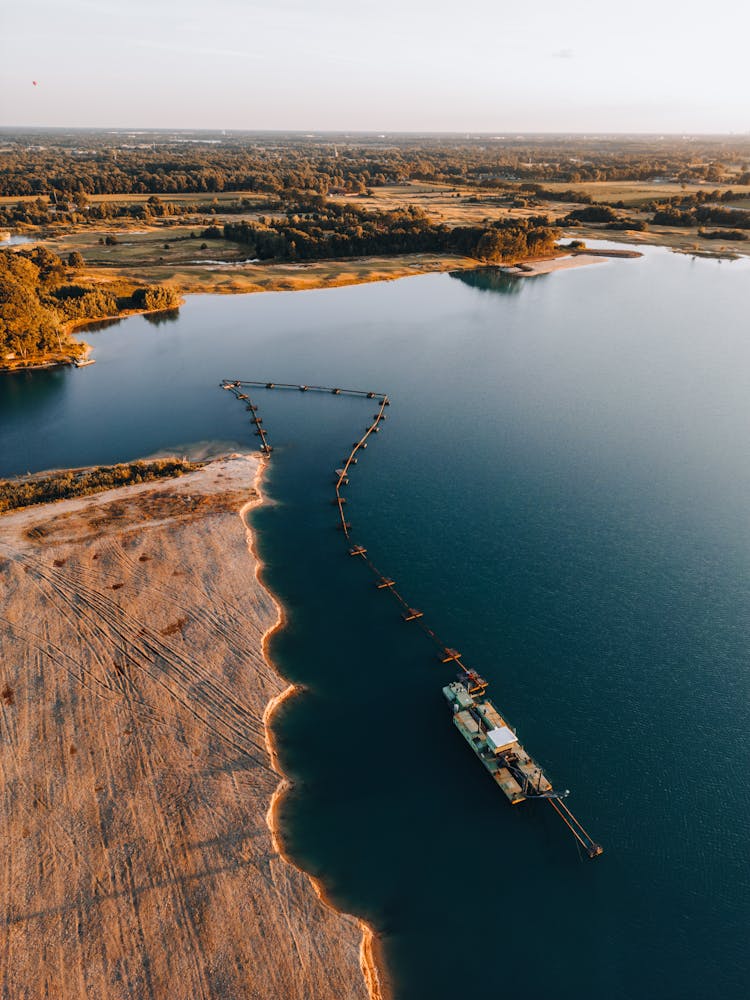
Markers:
point(62, 165)
point(40, 299)
point(318, 229)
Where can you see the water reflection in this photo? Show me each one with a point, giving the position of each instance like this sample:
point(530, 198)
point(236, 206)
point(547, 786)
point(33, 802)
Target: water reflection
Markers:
point(490, 279)
point(99, 324)
point(22, 390)
point(34, 395)
point(159, 318)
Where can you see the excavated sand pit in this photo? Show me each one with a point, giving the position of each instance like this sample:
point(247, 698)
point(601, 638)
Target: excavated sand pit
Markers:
point(136, 776)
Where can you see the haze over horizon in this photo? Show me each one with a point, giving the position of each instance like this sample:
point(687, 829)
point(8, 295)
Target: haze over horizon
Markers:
point(415, 67)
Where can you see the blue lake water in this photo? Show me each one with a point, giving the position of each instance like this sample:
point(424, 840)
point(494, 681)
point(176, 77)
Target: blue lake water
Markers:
point(562, 485)
point(12, 240)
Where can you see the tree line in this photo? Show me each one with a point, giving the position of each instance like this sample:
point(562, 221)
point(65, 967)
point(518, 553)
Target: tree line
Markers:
point(79, 211)
point(703, 215)
point(96, 162)
point(316, 229)
point(25, 492)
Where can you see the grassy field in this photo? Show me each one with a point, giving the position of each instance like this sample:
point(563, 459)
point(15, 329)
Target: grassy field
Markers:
point(446, 203)
point(443, 197)
point(632, 193)
point(682, 240)
point(147, 247)
point(281, 277)
point(222, 266)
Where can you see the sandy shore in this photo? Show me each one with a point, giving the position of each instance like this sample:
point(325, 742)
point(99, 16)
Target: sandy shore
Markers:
point(530, 268)
point(137, 778)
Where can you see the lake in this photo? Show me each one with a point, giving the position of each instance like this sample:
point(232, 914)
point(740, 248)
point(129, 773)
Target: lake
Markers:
point(562, 485)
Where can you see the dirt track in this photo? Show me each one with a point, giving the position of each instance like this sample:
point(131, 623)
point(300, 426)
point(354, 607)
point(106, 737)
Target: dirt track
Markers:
point(134, 772)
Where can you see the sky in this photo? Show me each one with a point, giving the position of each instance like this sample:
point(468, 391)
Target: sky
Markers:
point(385, 65)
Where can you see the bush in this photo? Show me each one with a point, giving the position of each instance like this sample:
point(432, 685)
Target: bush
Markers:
point(155, 298)
point(637, 225)
point(722, 234)
point(593, 213)
point(83, 302)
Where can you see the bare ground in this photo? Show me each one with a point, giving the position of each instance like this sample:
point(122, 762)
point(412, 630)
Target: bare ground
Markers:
point(135, 774)
point(530, 268)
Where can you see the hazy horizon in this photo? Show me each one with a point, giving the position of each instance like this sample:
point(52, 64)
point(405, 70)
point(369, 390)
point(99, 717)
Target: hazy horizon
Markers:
point(417, 67)
point(135, 129)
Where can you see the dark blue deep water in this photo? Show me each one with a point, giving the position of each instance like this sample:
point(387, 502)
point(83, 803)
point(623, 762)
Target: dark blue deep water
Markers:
point(562, 484)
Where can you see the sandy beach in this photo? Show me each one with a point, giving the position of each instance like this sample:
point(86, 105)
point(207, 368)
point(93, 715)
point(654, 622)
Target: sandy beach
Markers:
point(137, 774)
point(528, 269)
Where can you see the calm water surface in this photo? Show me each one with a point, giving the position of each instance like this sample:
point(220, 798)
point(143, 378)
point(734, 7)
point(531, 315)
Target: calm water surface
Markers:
point(562, 484)
point(10, 241)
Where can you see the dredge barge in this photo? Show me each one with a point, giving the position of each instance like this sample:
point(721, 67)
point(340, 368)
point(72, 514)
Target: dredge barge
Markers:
point(496, 744)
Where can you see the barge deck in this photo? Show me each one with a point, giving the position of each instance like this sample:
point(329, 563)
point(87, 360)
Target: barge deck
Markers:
point(496, 744)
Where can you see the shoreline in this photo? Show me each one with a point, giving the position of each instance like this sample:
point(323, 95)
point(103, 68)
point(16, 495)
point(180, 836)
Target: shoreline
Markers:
point(71, 329)
point(531, 269)
point(569, 257)
point(152, 745)
point(303, 278)
point(287, 277)
point(371, 964)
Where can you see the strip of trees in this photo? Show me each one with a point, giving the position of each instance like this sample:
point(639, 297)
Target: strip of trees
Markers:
point(27, 491)
point(317, 229)
point(703, 215)
point(78, 211)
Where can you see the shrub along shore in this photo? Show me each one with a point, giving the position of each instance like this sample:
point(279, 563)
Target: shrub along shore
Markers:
point(66, 483)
